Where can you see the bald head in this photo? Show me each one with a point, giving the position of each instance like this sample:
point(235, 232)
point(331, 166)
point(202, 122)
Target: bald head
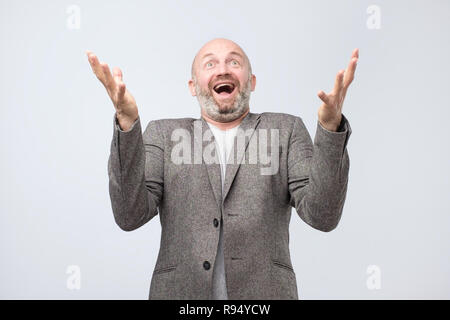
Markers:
point(216, 45)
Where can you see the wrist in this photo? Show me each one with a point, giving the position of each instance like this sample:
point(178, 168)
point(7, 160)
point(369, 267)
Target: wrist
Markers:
point(125, 122)
point(332, 125)
point(329, 126)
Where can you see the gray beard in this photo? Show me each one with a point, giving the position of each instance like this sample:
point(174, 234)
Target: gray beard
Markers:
point(226, 112)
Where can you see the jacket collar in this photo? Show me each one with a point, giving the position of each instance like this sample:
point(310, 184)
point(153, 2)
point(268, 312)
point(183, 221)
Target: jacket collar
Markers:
point(248, 124)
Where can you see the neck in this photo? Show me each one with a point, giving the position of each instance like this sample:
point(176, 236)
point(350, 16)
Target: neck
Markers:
point(224, 125)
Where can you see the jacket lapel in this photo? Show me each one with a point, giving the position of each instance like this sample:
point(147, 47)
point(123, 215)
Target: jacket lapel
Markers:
point(213, 169)
point(249, 122)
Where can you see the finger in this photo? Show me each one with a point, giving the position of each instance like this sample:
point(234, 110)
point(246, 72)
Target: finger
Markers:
point(93, 61)
point(121, 88)
point(110, 84)
point(117, 73)
point(324, 97)
point(95, 65)
point(355, 53)
point(350, 72)
point(338, 82)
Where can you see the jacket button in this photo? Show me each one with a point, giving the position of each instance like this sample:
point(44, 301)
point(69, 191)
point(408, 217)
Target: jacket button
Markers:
point(206, 265)
point(216, 222)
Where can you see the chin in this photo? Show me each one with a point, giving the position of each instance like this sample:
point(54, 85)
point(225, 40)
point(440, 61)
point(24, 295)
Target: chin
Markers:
point(226, 109)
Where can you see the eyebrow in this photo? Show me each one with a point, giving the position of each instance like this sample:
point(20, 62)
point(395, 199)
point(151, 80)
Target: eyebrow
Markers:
point(231, 53)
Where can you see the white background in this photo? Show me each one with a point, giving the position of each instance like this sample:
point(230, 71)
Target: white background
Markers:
point(56, 129)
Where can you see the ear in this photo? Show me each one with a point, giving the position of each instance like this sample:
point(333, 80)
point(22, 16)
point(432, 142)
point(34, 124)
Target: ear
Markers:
point(192, 87)
point(253, 82)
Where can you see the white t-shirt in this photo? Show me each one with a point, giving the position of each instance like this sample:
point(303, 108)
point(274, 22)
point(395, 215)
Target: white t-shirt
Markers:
point(224, 143)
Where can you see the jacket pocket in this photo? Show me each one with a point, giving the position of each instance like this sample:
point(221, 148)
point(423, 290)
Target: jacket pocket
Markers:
point(164, 269)
point(283, 265)
point(284, 285)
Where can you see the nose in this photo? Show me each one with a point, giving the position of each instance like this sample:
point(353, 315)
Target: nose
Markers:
point(223, 69)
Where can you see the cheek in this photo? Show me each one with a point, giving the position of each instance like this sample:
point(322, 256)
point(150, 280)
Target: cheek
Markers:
point(204, 82)
point(243, 78)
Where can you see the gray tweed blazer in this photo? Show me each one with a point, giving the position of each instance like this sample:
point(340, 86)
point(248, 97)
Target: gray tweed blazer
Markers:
point(161, 172)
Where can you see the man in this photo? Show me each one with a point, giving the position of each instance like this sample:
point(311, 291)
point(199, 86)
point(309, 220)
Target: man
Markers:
point(225, 223)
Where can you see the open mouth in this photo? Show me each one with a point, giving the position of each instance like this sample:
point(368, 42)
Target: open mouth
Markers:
point(224, 89)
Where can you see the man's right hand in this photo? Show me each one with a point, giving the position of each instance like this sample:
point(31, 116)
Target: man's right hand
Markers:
point(124, 103)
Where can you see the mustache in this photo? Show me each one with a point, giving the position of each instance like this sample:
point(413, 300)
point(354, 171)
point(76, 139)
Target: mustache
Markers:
point(222, 79)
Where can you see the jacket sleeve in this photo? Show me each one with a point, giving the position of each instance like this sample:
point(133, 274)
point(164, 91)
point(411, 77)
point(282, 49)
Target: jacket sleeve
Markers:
point(318, 173)
point(136, 171)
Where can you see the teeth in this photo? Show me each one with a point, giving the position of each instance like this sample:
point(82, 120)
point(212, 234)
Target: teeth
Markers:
point(224, 84)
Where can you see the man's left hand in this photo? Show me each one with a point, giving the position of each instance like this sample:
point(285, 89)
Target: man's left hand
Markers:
point(330, 112)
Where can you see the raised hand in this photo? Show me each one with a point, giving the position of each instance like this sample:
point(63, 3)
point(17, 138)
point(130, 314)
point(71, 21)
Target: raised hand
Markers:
point(330, 112)
point(124, 103)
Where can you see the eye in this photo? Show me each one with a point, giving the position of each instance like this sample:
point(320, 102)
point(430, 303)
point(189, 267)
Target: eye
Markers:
point(234, 62)
point(209, 64)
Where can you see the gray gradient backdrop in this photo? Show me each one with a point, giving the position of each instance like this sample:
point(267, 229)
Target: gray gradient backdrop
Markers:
point(56, 130)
